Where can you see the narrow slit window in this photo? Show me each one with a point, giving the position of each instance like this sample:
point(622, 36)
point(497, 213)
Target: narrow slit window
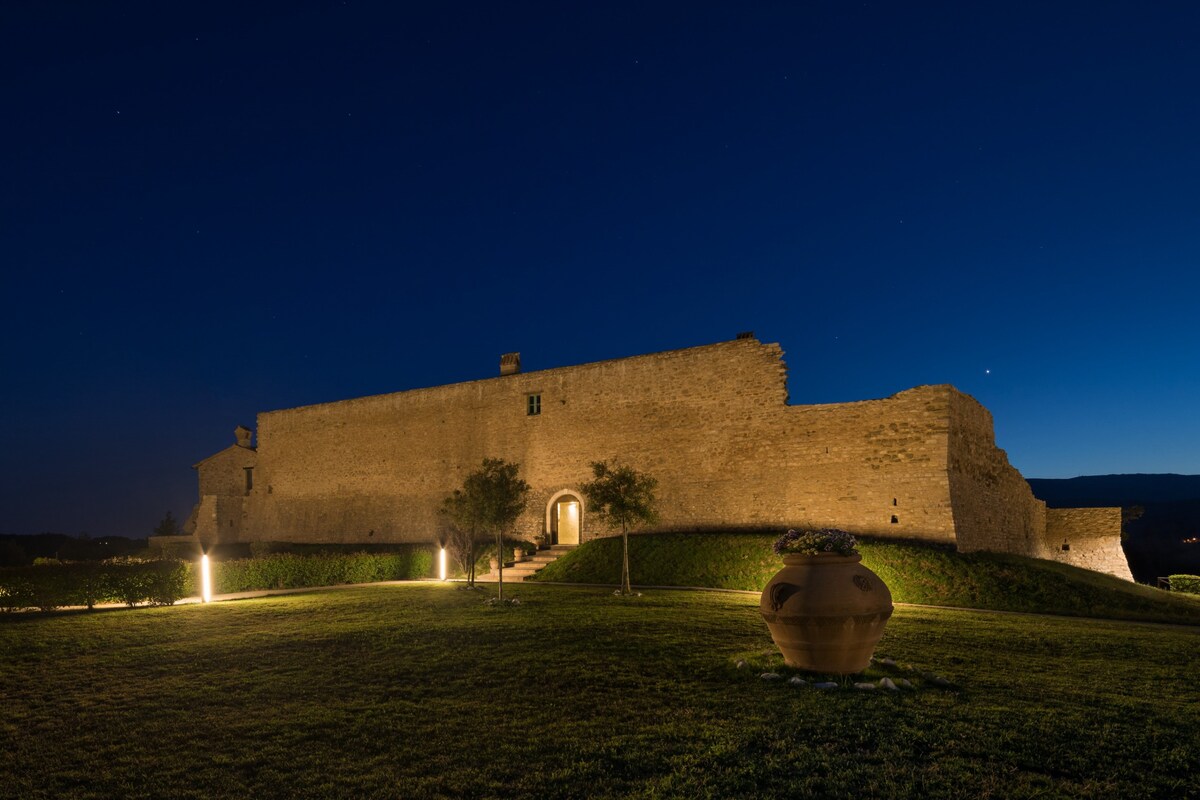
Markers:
point(249, 478)
point(894, 501)
point(533, 405)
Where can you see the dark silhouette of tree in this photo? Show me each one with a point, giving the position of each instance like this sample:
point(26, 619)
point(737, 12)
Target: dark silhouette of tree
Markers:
point(12, 554)
point(168, 526)
point(621, 497)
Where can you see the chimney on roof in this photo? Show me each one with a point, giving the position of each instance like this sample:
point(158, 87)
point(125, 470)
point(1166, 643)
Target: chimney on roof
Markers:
point(510, 363)
point(242, 435)
point(746, 335)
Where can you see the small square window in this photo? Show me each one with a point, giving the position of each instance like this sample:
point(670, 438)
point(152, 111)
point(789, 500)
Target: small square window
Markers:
point(895, 520)
point(1066, 547)
point(533, 405)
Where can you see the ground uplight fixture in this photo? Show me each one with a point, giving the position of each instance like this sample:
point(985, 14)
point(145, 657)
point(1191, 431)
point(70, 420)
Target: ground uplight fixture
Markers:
point(205, 579)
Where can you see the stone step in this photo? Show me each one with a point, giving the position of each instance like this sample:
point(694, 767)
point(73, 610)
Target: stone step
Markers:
point(492, 577)
point(518, 571)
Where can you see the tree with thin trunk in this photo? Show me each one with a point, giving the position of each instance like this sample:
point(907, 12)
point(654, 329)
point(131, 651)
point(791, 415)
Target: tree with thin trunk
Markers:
point(621, 497)
point(463, 533)
point(490, 500)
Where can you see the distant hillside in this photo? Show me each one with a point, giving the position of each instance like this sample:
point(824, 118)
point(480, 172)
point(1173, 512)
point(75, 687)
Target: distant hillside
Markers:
point(1162, 527)
point(1116, 490)
point(16, 551)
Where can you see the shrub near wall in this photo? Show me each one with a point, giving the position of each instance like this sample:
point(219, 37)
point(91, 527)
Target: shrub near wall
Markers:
point(293, 571)
point(1185, 583)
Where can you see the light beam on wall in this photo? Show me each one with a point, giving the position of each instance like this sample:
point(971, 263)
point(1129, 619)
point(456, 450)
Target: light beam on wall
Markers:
point(442, 564)
point(205, 579)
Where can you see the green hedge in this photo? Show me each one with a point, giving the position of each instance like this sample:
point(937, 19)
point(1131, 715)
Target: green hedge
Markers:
point(1185, 583)
point(48, 585)
point(292, 571)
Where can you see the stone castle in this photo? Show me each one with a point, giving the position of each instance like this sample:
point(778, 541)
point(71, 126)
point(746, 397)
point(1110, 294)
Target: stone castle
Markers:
point(711, 423)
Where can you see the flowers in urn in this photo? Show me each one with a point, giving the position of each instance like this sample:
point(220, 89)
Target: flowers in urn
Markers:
point(825, 609)
point(811, 543)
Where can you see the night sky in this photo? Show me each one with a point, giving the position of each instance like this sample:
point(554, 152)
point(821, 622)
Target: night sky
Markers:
point(209, 210)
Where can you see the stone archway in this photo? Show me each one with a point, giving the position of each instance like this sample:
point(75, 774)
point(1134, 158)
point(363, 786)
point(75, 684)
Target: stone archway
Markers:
point(564, 517)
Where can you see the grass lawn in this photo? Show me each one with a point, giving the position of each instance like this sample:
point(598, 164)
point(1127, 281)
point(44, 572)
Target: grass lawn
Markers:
point(422, 691)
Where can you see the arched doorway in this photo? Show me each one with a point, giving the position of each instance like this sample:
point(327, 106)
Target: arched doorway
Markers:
point(564, 518)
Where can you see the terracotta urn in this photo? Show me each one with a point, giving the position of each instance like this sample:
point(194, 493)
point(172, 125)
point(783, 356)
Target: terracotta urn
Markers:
point(494, 564)
point(826, 612)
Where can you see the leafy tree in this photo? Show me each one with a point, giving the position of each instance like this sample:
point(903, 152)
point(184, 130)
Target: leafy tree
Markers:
point(490, 500)
point(463, 533)
point(168, 526)
point(621, 497)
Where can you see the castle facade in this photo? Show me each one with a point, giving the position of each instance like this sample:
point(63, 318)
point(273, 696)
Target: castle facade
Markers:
point(711, 423)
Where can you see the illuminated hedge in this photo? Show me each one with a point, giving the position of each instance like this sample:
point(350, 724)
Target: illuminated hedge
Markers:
point(50, 584)
point(1185, 583)
point(295, 571)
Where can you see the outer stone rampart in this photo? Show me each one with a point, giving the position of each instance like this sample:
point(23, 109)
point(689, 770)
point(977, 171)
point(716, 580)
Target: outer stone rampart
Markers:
point(994, 508)
point(711, 423)
point(379, 466)
point(1084, 537)
point(875, 467)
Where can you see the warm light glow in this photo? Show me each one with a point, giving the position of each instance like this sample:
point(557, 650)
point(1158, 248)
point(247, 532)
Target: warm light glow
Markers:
point(572, 509)
point(442, 564)
point(205, 579)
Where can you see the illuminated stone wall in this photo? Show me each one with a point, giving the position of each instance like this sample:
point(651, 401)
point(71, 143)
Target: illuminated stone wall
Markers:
point(711, 423)
point(876, 466)
point(1087, 534)
point(377, 467)
point(221, 515)
point(994, 508)
point(224, 473)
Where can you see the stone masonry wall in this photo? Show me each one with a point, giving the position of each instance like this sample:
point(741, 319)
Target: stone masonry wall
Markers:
point(220, 518)
point(220, 514)
point(994, 508)
point(224, 473)
point(711, 423)
point(1093, 536)
point(874, 467)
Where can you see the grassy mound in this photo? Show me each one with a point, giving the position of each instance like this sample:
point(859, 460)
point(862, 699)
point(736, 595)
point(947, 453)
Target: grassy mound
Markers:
point(915, 572)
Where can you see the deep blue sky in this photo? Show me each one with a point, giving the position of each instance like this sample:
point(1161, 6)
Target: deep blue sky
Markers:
point(209, 210)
